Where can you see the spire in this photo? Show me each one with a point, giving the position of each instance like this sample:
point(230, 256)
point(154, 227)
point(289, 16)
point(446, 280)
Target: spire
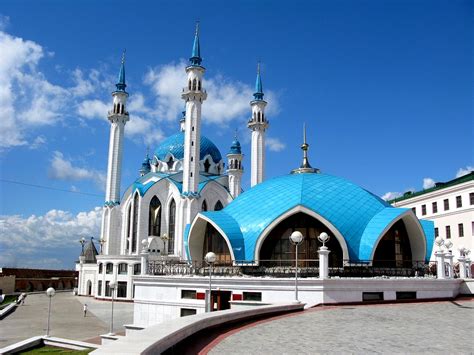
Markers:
point(258, 95)
point(121, 77)
point(305, 165)
point(146, 167)
point(196, 54)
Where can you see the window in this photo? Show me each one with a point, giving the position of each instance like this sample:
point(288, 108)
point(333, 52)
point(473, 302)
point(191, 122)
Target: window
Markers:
point(204, 206)
point(171, 226)
point(184, 312)
point(458, 201)
point(218, 206)
point(135, 224)
point(435, 207)
point(461, 230)
point(414, 210)
point(122, 269)
point(372, 296)
point(423, 210)
point(109, 268)
point(122, 289)
point(99, 288)
point(252, 296)
point(129, 217)
point(446, 205)
point(137, 269)
point(406, 295)
point(188, 294)
point(448, 232)
point(471, 198)
point(107, 289)
point(101, 268)
point(154, 218)
point(436, 232)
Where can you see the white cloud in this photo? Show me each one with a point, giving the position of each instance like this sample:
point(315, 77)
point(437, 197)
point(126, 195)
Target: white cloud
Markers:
point(428, 183)
point(391, 195)
point(274, 144)
point(464, 171)
point(93, 109)
point(227, 99)
point(39, 141)
point(62, 169)
point(25, 240)
point(139, 127)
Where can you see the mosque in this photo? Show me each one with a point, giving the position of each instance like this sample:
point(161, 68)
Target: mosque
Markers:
point(188, 202)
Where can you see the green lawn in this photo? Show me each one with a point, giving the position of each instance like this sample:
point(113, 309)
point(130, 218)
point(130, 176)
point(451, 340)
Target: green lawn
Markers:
point(47, 349)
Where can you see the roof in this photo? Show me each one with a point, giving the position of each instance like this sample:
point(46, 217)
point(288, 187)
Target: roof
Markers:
point(346, 206)
point(235, 148)
point(90, 253)
point(175, 145)
point(438, 186)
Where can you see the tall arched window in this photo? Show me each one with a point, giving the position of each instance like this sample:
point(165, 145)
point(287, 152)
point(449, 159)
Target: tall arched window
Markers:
point(218, 206)
point(204, 206)
point(135, 224)
point(194, 84)
point(154, 220)
point(171, 226)
point(207, 165)
point(129, 220)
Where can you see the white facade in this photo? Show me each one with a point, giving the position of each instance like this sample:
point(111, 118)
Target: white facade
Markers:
point(258, 125)
point(451, 207)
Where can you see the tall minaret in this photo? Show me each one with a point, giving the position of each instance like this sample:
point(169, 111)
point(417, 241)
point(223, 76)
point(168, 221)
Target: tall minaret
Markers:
point(258, 124)
point(117, 117)
point(193, 95)
point(234, 168)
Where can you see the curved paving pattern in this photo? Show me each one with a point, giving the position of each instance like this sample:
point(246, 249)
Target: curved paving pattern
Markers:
point(398, 328)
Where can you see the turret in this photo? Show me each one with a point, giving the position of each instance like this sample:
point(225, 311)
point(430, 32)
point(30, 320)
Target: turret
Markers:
point(235, 168)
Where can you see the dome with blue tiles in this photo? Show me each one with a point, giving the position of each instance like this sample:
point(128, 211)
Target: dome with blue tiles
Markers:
point(175, 146)
point(354, 214)
point(235, 148)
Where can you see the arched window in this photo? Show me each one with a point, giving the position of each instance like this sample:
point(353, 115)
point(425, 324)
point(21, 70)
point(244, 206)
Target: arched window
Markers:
point(170, 163)
point(204, 206)
point(171, 226)
point(218, 206)
point(199, 85)
point(154, 220)
point(189, 84)
point(207, 165)
point(129, 216)
point(194, 84)
point(135, 224)
point(394, 249)
point(259, 117)
point(214, 242)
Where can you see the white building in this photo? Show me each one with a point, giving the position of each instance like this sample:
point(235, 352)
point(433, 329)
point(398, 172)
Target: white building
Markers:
point(185, 175)
point(450, 205)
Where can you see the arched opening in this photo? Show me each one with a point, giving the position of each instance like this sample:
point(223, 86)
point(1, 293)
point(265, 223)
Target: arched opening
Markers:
point(171, 226)
point(213, 241)
point(393, 249)
point(199, 85)
point(129, 216)
point(170, 163)
point(154, 219)
point(204, 206)
point(194, 84)
point(135, 223)
point(277, 245)
point(189, 84)
point(218, 206)
point(89, 288)
point(207, 165)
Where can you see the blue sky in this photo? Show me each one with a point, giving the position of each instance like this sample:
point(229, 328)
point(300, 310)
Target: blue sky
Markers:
point(385, 88)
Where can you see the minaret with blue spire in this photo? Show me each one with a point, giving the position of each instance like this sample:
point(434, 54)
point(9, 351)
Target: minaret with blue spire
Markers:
point(118, 117)
point(258, 124)
point(235, 168)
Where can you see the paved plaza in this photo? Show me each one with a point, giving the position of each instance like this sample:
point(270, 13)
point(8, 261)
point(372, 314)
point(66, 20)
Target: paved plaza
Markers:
point(67, 320)
point(435, 328)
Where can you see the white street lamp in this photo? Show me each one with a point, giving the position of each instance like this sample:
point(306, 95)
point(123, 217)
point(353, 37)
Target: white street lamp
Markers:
point(112, 286)
point(439, 242)
point(50, 292)
point(210, 259)
point(296, 238)
point(82, 242)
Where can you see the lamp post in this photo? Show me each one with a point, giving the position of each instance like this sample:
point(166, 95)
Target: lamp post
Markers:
point(439, 254)
point(112, 289)
point(296, 238)
point(449, 258)
point(164, 238)
point(323, 256)
point(50, 292)
point(210, 259)
point(101, 243)
point(82, 242)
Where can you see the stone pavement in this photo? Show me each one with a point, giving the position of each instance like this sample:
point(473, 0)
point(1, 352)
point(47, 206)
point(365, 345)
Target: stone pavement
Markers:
point(389, 328)
point(67, 319)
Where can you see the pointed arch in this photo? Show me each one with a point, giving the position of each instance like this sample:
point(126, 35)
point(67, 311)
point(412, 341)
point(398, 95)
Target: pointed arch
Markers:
point(154, 217)
point(204, 206)
point(171, 226)
point(218, 206)
point(135, 222)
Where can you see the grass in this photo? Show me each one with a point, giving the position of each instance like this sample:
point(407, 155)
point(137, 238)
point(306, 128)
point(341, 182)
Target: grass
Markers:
point(47, 349)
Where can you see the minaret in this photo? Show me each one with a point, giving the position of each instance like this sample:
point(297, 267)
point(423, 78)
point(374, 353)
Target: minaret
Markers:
point(234, 168)
point(258, 124)
point(117, 117)
point(146, 166)
point(305, 166)
point(193, 95)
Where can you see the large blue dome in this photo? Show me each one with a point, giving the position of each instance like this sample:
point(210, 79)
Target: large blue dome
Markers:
point(175, 145)
point(356, 215)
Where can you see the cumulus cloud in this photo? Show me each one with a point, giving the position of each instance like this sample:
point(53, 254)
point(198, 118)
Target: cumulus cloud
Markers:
point(227, 99)
point(24, 241)
point(428, 183)
point(93, 109)
point(62, 169)
point(391, 195)
point(38, 142)
point(464, 171)
point(144, 129)
point(274, 144)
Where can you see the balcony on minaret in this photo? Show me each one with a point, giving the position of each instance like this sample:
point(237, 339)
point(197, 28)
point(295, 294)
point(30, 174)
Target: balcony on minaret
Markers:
point(258, 120)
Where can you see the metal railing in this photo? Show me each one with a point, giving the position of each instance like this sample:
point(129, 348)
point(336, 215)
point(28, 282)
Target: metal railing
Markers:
point(286, 268)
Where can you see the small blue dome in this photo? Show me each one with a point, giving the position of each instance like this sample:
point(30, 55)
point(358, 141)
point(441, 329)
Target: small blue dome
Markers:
point(235, 147)
point(146, 167)
point(175, 145)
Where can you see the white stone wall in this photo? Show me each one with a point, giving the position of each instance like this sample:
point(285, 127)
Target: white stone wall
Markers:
point(115, 276)
point(453, 217)
point(87, 272)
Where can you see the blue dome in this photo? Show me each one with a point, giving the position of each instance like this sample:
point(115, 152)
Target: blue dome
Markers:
point(356, 215)
point(175, 145)
point(235, 147)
